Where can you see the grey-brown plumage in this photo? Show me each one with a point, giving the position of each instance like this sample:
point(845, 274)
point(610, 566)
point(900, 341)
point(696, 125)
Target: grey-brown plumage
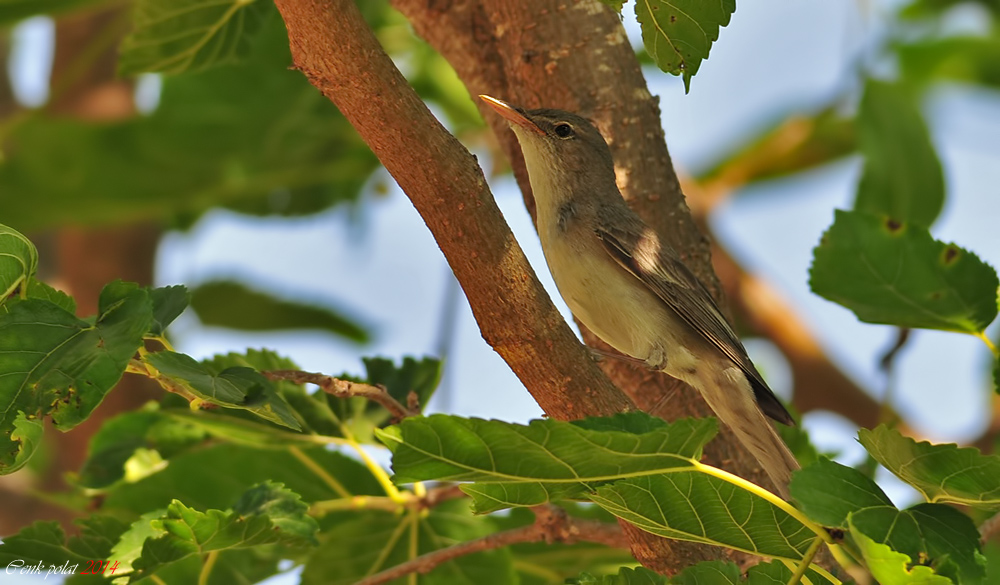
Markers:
point(631, 289)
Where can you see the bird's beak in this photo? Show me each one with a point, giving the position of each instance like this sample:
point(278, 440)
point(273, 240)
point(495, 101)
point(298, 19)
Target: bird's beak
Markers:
point(512, 114)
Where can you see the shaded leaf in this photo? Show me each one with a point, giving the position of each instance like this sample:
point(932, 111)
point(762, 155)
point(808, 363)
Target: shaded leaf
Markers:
point(698, 507)
point(942, 473)
point(231, 304)
point(174, 36)
point(679, 34)
point(267, 514)
point(615, 5)
point(62, 366)
point(902, 177)
point(369, 541)
point(949, 535)
point(216, 476)
point(168, 303)
point(241, 388)
point(626, 576)
point(897, 274)
point(828, 492)
point(119, 438)
point(46, 543)
point(894, 568)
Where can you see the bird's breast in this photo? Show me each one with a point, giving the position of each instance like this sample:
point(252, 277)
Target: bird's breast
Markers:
point(610, 301)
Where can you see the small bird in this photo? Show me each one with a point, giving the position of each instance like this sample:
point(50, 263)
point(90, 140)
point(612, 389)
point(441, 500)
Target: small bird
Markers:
point(630, 288)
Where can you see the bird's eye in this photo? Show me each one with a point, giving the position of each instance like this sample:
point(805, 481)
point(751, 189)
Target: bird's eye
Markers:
point(563, 130)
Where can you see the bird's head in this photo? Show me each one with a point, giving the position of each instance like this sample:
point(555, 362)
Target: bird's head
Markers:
point(554, 141)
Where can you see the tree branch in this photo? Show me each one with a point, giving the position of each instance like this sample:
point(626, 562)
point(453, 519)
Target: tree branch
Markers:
point(346, 389)
point(333, 46)
point(551, 525)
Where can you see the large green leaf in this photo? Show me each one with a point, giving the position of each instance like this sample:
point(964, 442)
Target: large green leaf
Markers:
point(168, 303)
point(363, 543)
point(942, 473)
point(234, 305)
point(254, 136)
point(62, 366)
point(896, 273)
point(902, 177)
point(828, 492)
point(120, 437)
point(698, 507)
point(707, 573)
point(527, 465)
point(678, 34)
point(174, 36)
point(238, 387)
point(216, 476)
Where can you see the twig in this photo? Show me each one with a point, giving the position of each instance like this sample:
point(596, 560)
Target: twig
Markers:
point(551, 525)
point(346, 389)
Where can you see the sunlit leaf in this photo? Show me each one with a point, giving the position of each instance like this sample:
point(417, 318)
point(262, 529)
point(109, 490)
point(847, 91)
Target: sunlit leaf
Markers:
point(679, 34)
point(18, 261)
point(894, 568)
point(62, 366)
point(942, 473)
point(896, 273)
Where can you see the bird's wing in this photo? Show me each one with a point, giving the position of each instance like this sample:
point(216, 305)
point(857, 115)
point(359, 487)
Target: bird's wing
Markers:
point(639, 251)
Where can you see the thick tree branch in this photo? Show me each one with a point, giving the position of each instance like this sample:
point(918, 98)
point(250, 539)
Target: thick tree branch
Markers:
point(333, 46)
point(575, 55)
point(551, 525)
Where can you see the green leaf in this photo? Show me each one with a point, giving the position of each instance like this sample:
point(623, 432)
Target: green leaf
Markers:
point(12, 11)
point(168, 303)
point(241, 388)
point(625, 576)
point(952, 536)
point(174, 36)
point(216, 476)
point(233, 305)
point(942, 473)
point(254, 136)
point(897, 274)
point(545, 459)
point(46, 543)
point(615, 5)
point(902, 177)
point(777, 573)
point(27, 435)
point(679, 34)
point(366, 542)
point(266, 514)
point(893, 568)
point(18, 261)
point(61, 366)
point(120, 437)
point(698, 507)
point(828, 492)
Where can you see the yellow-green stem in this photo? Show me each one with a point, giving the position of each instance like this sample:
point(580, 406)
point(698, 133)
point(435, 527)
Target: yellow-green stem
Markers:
point(320, 472)
point(763, 493)
point(989, 343)
point(206, 569)
point(805, 562)
point(380, 475)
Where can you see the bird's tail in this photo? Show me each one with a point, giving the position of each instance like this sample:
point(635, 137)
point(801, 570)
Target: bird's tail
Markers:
point(728, 393)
